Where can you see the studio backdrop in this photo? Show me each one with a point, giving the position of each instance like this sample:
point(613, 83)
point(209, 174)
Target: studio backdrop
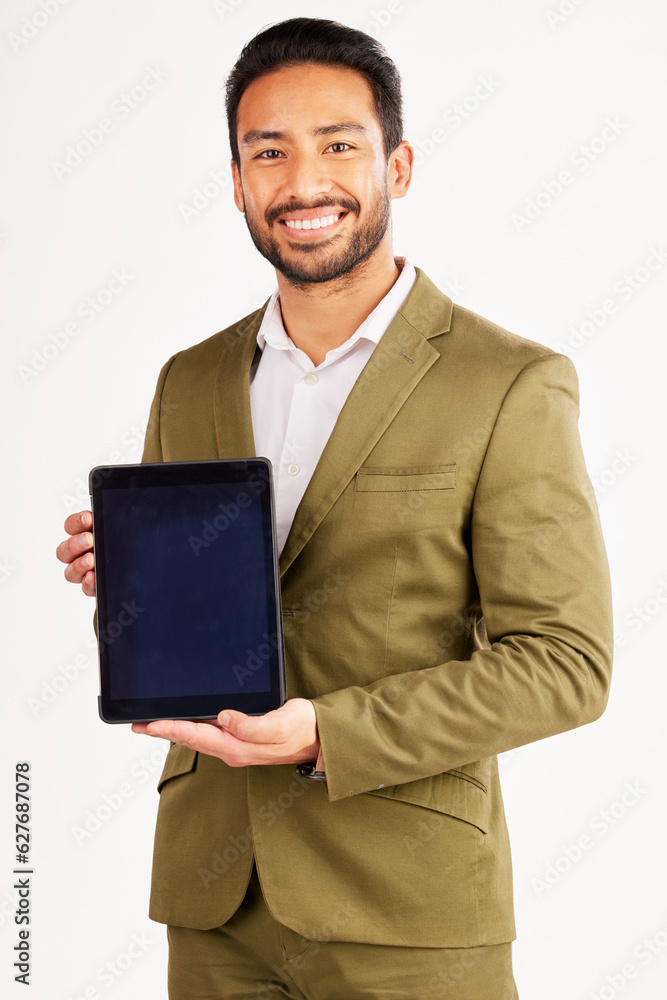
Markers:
point(537, 201)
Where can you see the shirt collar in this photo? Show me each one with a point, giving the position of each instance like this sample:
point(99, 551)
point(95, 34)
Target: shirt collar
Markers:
point(273, 333)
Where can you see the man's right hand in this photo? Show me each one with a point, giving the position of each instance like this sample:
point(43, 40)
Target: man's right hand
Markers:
point(77, 551)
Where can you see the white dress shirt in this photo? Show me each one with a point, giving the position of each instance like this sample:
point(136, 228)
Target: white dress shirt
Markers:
point(295, 404)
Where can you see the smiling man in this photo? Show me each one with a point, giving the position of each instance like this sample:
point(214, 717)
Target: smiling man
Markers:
point(444, 581)
point(355, 146)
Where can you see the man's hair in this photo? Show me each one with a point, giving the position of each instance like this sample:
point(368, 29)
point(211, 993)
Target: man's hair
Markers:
point(315, 40)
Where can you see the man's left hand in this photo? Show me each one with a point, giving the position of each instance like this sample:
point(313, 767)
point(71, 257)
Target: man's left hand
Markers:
point(288, 735)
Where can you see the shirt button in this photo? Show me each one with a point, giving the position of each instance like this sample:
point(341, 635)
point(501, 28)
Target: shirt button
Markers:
point(293, 469)
point(311, 378)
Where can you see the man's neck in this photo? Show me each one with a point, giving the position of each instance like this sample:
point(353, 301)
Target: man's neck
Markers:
point(320, 317)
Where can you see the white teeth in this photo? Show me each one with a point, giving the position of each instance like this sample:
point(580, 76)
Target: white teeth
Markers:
point(327, 220)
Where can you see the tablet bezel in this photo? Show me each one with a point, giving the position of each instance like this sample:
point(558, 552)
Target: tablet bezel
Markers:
point(187, 474)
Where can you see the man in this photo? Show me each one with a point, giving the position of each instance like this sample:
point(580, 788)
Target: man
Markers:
point(428, 472)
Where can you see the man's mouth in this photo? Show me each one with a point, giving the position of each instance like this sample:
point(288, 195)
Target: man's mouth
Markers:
point(312, 221)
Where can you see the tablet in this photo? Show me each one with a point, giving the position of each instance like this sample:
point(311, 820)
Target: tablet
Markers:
point(189, 616)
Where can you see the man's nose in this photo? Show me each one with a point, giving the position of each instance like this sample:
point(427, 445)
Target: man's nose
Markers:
point(307, 178)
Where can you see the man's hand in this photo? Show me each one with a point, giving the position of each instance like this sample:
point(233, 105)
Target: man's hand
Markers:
point(288, 735)
point(77, 551)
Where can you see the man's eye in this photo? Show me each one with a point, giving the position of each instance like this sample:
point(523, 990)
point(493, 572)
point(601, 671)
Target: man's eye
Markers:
point(269, 154)
point(339, 147)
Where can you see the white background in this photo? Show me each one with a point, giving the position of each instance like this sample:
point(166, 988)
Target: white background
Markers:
point(552, 86)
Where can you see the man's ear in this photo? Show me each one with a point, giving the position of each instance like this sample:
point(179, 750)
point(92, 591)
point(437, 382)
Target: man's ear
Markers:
point(401, 163)
point(239, 200)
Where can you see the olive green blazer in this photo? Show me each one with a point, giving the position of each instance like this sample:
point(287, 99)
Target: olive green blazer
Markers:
point(452, 486)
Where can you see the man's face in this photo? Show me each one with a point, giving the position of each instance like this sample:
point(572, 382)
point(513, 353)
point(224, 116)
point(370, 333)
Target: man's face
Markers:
point(314, 182)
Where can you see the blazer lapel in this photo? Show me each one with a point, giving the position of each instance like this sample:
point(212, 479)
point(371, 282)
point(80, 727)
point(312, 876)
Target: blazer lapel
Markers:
point(396, 366)
point(231, 404)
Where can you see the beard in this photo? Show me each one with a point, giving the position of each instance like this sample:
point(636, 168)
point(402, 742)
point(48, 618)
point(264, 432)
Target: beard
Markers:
point(314, 263)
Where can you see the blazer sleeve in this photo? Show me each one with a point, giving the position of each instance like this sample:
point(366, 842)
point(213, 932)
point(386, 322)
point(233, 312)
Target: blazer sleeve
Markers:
point(152, 441)
point(541, 569)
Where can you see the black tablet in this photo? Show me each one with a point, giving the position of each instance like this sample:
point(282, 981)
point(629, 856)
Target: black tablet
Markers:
point(188, 590)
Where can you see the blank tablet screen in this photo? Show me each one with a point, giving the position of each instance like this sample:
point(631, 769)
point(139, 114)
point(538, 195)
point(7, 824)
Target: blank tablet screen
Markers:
point(188, 602)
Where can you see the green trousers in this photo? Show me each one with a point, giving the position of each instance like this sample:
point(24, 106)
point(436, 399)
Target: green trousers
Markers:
point(253, 957)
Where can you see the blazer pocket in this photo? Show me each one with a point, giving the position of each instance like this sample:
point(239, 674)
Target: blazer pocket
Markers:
point(180, 760)
point(399, 480)
point(454, 793)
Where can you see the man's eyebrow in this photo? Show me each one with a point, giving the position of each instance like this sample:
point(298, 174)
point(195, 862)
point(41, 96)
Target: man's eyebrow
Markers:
point(264, 135)
point(339, 127)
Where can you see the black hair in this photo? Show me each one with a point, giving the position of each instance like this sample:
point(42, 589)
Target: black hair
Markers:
point(315, 40)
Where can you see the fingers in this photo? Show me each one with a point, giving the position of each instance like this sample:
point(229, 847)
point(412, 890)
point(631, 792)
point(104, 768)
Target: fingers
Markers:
point(83, 521)
point(204, 736)
point(179, 730)
point(77, 565)
point(88, 585)
point(209, 738)
point(81, 539)
point(77, 551)
point(273, 727)
point(81, 571)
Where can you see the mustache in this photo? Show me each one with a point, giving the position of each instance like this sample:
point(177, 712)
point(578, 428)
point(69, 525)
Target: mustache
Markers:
point(347, 204)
